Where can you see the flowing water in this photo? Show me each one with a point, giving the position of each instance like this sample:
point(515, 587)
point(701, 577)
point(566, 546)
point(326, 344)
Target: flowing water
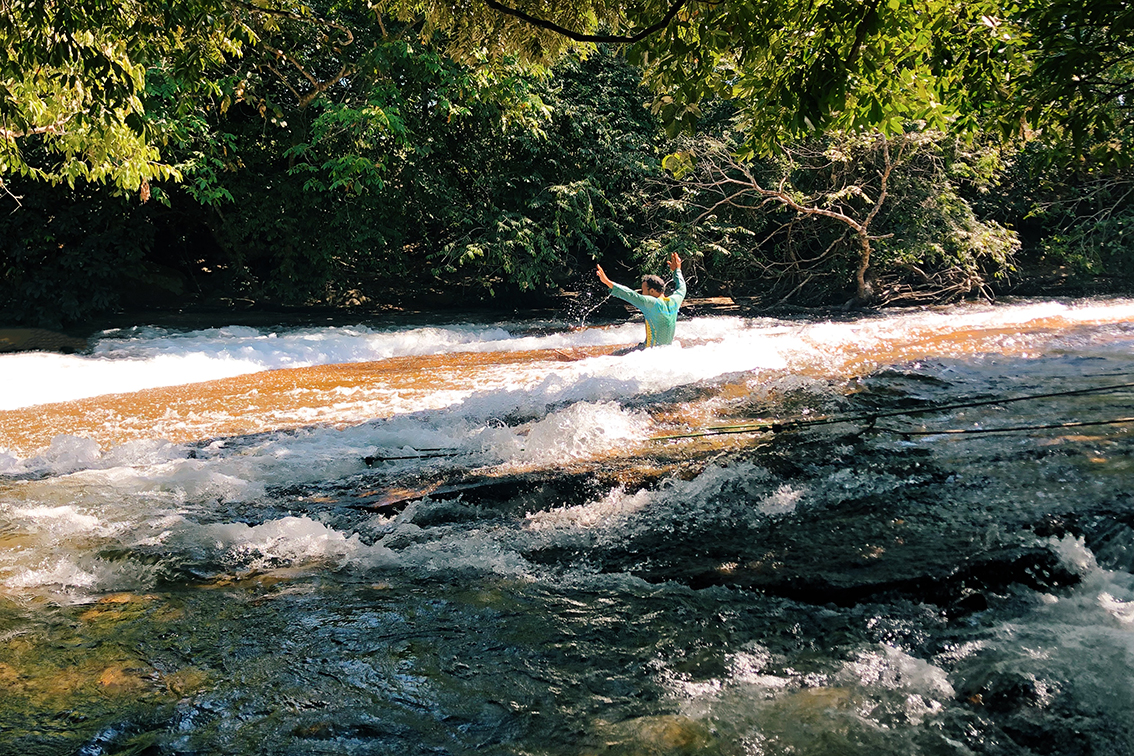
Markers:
point(445, 539)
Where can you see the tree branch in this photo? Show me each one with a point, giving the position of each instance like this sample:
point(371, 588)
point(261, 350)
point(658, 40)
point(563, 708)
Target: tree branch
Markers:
point(12, 134)
point(302, 19)
point(860, 31)
point(293, 16)
point(317, 87)
point(8, 191)
point(885, 179)
point(596, 38)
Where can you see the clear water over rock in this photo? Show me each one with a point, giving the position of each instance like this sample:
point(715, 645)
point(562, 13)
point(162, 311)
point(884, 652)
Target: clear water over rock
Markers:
point(490, 550)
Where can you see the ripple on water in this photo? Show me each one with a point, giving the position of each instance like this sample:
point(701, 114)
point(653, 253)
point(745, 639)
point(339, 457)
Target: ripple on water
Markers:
point(820, 591)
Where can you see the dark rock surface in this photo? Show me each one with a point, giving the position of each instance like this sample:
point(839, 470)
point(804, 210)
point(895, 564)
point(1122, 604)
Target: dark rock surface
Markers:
point(39, 340)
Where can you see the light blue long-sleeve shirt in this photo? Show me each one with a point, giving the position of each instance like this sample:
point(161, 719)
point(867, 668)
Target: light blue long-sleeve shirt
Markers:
point(660, 312)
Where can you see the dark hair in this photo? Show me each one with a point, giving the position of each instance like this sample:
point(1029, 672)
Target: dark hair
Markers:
point(654, 282)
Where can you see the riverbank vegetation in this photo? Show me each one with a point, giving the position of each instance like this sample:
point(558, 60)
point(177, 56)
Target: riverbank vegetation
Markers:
point(342, 155)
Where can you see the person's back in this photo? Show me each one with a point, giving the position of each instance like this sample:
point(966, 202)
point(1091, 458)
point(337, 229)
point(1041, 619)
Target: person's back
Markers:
point(659, 310)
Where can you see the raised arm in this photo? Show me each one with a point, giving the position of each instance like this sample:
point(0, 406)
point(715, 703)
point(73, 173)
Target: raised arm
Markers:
point(674, 264)
point(624, 293)
point(602, 277)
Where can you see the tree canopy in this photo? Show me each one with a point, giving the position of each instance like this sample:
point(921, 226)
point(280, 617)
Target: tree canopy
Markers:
point(73, 81)
point(73, 76)
point(797, 67)
point(338, 151)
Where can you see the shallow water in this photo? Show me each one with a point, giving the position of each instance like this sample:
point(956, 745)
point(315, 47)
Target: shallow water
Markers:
point(198, 559)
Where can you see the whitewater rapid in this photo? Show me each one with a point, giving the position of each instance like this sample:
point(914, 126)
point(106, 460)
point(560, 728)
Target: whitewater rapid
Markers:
point(375, 538)
point(128, 360)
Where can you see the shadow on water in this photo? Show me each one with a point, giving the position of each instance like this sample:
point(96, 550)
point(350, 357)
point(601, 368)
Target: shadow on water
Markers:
point(835, 590)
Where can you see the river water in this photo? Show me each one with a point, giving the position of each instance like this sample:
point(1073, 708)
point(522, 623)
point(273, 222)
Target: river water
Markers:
point(389, 538)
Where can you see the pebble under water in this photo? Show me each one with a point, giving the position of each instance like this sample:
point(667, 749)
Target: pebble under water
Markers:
point(553, 583)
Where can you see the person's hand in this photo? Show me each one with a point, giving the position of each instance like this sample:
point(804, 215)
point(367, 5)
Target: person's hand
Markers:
point(602, 277)
point(674, 262)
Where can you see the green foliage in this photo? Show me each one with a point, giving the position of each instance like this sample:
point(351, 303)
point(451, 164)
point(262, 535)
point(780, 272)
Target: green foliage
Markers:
point(1075, 216)
point(419, 175)
point(544, 205)
point(72, 82)
point(1078, 90)
point(63, 258)
point(76, 78)
point(789, 228)
point(471, 32)
point(1103, 243)
point(306, 171)
point(938, 247)
point(796, 68)
point(793, 67)
point(320, 152)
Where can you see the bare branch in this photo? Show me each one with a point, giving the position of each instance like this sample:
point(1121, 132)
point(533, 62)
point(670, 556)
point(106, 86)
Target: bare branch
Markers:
point(795, 291)
point(596, 38)
point(317, 87)
point(53, 128)
point(283, 79)
point(887, 169)
point(4, 186)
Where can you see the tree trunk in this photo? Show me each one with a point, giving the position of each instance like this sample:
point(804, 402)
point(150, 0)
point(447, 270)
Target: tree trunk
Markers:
point(864, 290)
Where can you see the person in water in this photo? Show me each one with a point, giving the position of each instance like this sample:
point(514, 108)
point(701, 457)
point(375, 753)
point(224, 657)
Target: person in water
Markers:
point(660, 310)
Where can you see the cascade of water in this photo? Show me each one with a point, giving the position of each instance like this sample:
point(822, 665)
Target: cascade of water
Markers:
point(176, 509)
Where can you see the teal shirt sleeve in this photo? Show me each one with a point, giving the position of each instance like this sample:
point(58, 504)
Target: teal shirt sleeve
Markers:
point(640, 300)
point(679, 281)
point(625, 293)
point(660, 313)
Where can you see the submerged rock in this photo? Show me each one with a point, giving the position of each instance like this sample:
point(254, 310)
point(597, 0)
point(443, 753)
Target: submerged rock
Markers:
point(667, 735)
point(1003, 691)
point(841, 578)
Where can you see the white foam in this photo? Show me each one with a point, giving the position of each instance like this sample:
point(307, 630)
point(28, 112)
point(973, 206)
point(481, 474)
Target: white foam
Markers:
point(619, 515)
point(148, 492)
point(891, 668)
point(72, 581)
point(1081, 636)
point(62, 572)
point(608, 512)
point(298, 347)
point(477, 551)
point(289, 540)
point(126, 361)
point(782, 501)
point(1074, 555)
point(582, 430)
point(141, 358)
point(1121, 610)
point(66, 454)
point(36, 378)
point(878, 700)
point(11, 464)
point(467, 419)
point(61, 520)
